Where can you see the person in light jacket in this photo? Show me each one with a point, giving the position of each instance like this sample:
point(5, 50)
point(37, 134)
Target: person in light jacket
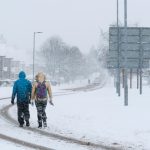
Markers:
point(41, 93)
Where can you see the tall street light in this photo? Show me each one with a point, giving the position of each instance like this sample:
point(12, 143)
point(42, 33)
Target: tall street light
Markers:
point(34, 34)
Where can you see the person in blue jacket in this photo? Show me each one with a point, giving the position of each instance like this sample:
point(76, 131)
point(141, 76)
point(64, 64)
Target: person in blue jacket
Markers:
point(22, 88)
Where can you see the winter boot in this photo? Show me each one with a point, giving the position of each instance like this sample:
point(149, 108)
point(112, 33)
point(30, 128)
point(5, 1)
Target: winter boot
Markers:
point(27, 123)
point(40, 124)
point(45, 124)
point(21, 125)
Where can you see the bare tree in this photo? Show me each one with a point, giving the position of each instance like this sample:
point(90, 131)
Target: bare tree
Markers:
point(61, 60)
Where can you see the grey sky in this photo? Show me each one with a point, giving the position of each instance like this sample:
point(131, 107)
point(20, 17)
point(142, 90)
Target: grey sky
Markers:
point(78, 22)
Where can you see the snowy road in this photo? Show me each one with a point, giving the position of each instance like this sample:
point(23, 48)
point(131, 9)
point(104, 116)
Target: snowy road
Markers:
point(97, 118)
point(88, 145)
point(55, 138)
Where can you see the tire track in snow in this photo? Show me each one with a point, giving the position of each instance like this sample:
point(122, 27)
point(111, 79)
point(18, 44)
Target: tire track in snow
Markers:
point(4, 113)
point(23, 143)
point(6, 116)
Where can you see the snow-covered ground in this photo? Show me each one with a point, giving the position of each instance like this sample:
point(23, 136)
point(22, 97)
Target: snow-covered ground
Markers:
point(9, 146)
point(98, 116)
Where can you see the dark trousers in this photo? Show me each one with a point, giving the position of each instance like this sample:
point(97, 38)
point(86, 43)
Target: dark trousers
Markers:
point(41, 114)
point(23, 112)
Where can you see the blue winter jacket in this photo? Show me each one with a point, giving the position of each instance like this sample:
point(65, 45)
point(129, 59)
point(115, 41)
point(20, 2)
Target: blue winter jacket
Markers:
point(22, 88)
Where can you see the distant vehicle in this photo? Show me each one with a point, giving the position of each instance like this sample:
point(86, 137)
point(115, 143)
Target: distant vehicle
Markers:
point(97, 81)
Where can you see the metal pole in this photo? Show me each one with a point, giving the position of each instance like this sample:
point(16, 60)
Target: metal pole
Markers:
point(141, 60)
point(140, 81)
point(33, 53)
point(122, 78)
point(130, 78)
point(117, 13)
point(125, 70)
point(137, 78)
point(118, 48)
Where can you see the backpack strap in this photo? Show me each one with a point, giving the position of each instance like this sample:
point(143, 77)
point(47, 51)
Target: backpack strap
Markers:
point(37, 82)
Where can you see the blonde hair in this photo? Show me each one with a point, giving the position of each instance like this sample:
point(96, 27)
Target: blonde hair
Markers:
point(40, 77)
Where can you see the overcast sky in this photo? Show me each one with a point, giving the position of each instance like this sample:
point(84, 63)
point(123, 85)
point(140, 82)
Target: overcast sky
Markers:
point(77, 22)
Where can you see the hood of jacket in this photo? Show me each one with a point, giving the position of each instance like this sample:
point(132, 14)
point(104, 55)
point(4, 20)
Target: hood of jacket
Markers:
point(22, 75)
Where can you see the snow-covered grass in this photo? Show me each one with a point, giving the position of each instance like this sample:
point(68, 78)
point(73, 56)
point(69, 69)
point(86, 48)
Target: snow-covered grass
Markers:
point(100, 116)
point(5, 145)
point(5, 92)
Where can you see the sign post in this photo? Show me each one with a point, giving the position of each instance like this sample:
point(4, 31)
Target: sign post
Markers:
point(133, 53)
point(125, 57)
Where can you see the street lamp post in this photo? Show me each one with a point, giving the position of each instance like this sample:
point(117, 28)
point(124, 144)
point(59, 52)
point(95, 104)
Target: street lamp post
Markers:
point(34, 52)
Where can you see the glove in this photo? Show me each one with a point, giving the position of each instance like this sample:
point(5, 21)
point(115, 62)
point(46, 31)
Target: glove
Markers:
point(32, 102)
point(12, 101)
point(51, 102)
point(29, 101)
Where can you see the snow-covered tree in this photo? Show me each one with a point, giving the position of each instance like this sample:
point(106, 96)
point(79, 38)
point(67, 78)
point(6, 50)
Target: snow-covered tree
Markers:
point(61, 60)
